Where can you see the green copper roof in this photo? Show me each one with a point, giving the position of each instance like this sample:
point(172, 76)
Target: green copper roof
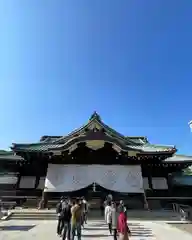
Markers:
point(153, 148)
point(9, 155)
point(138, 140)
point(49, 147)
point(179, 158)
point(43, 147)
point(35, 147)
point(49, 139)
point(47, 143)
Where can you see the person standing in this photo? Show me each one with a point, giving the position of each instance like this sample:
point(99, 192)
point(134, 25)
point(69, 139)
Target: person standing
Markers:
point(122, 227)
point(122, 207)
point(85, 209)
point(114, 219)
point(102, 207)
point(66, 220)
point(81, 204)
point(108, 216)
point(70, 202)
point(76, 218)
point(110, 197)
point(58, 212)
point(105, 203)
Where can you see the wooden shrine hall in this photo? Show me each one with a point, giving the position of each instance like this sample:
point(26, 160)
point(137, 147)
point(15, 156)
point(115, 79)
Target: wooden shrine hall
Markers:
point(93, 161)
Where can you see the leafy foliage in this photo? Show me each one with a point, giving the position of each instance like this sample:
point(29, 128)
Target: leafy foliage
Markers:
point(187, 171)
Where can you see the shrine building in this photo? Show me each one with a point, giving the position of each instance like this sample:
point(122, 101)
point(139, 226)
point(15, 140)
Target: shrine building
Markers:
point(93, 161)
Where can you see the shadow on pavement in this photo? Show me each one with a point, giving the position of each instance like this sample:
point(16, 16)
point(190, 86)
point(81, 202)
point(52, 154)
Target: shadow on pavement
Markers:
point(186, 227)
point(16, 228)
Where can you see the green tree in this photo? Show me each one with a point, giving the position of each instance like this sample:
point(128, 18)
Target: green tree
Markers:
point(187, 171)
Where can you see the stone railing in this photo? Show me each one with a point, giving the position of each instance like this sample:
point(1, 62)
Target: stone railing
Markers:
point(185, 211)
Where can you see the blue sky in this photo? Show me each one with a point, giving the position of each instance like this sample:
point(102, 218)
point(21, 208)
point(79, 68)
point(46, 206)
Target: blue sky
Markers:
point(128, 60)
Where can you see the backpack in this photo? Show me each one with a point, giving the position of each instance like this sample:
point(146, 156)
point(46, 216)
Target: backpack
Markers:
point(58, 208)
point(65, 208)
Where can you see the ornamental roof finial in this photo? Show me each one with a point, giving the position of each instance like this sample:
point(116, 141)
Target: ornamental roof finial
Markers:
point(95, 115)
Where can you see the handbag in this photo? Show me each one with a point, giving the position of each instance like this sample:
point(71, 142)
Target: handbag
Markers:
point(128, 230)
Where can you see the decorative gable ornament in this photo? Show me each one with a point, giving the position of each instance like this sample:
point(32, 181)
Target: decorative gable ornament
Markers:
point(95, 144)
point(116, 148)
point(132, 153)
point(72, 148)
point(95, 115)
point(56, 153)
point(94, 125)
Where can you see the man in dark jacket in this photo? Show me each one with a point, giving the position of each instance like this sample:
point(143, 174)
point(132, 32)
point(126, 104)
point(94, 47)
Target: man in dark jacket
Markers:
point(66, 220)
point(58, 212)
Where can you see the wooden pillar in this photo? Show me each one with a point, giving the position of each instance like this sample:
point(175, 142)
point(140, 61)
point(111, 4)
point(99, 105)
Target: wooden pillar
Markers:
point(150, 182)
point(44, 201)
point(37, 179)
point(37, 168)
point(169, 183)
point(18, 181)
point(19, 169)
point(146, 205)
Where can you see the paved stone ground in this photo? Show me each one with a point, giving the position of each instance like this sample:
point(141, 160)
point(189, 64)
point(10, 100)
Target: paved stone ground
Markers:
point(22, 230)
point(184, 227)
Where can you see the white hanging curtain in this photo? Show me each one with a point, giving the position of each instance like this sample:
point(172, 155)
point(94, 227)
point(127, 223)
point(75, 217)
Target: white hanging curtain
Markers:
point(65, 178)
point(118, 178)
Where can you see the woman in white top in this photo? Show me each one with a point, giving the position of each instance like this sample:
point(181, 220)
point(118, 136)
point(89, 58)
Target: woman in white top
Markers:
point(108, 216)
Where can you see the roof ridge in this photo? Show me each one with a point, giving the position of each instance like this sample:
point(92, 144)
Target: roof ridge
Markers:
point(4, 152)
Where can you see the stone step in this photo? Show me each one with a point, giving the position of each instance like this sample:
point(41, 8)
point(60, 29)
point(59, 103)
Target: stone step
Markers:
point(29, 214)
point(160, 213)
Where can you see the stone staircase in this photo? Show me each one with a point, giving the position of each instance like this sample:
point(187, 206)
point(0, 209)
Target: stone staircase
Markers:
point(154, 215)
point(34, 214)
